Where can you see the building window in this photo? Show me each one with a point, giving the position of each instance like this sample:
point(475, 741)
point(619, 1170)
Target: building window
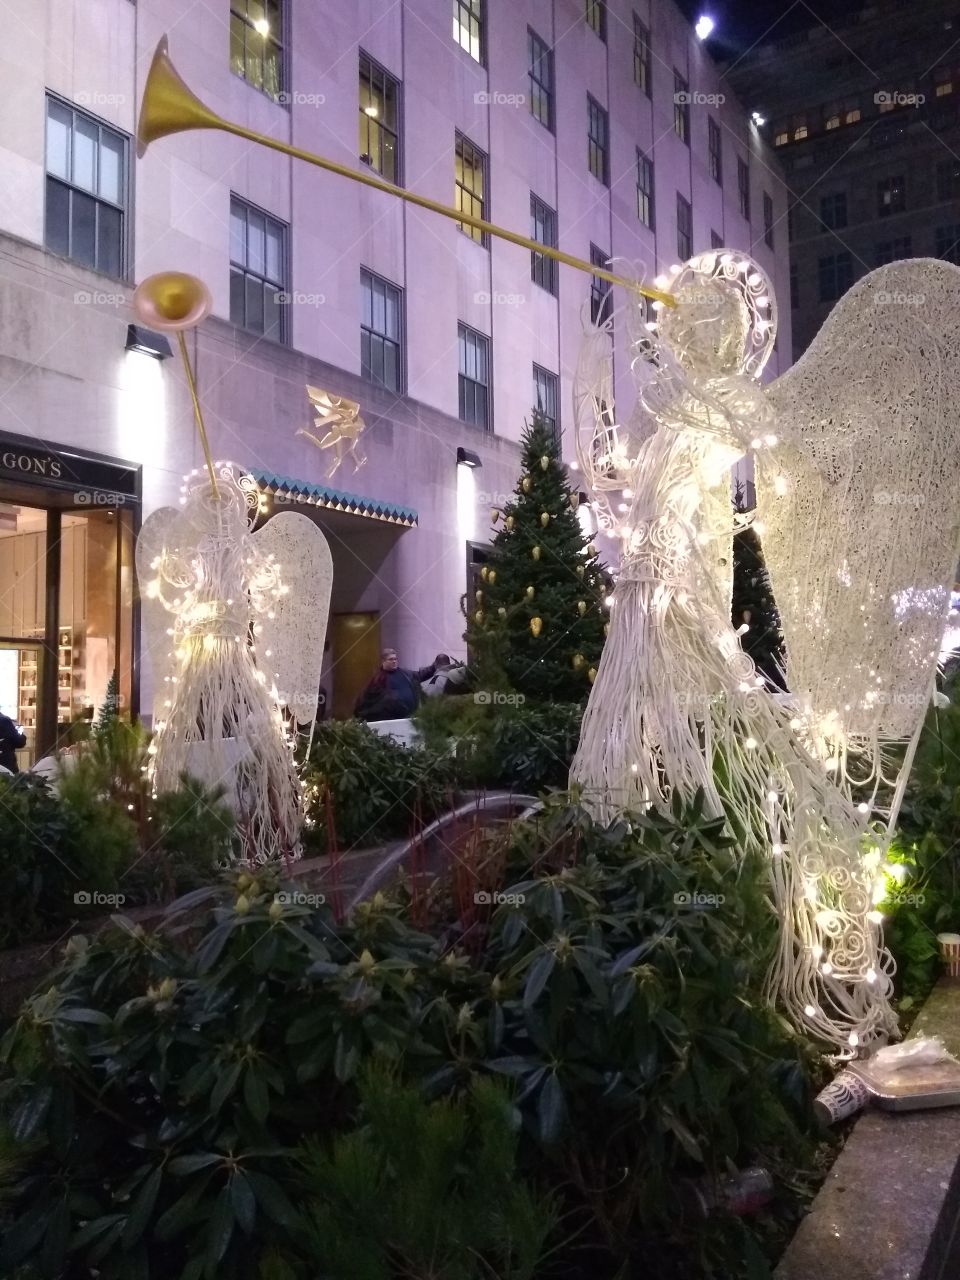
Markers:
point(598, 141)
point(948, 243)
point(800, 130)
point(596, 15)
point(540, 58)
point(681, 107)
point(644, 189)
point(381, 331)
point(468, 27)
point(258, 271)
point(743, 187)
point(471, 172)
point(87, 190)
point(891, 197)
point(715, 149)
point(546, 398)
point(836, 275)
point(833, 211)
point(716, 240)
point(851, 115)
point(781, 136)
point(794, 286)
point(601, 291)
point(767, 220)
point(543, 229)
point(641, 55)
point(948, 180)
point(684, 228)
point(474, 356)
point(942, 82)
point(831, 116)
point(256, 44)
point(379, 114)
point(893, 250)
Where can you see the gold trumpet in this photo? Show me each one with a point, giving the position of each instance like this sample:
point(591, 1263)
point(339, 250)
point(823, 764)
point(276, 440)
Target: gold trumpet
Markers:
point(170, 106)
point(173, 302)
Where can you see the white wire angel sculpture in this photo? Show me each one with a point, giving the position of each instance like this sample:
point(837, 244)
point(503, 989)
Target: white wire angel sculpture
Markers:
point(858, 477)
point(234, 625)
point(341, 419)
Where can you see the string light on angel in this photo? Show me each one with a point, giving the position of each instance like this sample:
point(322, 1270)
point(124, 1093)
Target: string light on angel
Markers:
point(234, 624)
point(858, 480)
point(341, 420)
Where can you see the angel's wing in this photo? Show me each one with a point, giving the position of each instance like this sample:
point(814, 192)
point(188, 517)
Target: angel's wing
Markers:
point(159, 535)
point(289, 646)
point(860, 502)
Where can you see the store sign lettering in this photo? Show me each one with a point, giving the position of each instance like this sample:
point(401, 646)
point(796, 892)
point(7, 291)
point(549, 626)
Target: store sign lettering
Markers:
point(34, 466)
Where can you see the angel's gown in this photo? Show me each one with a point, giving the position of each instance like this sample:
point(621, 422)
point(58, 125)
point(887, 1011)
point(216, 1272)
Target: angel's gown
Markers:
point(222, 723)
point(677, 706)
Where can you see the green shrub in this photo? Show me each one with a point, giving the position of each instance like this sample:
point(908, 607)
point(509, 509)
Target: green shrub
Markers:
point(165, 1086)
point(500, 742)
point(378, 789)
point(425, 1189)
point(54, 847)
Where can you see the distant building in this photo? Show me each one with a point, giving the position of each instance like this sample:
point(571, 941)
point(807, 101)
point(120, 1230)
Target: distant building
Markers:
point(602, 128)
point(863, 116)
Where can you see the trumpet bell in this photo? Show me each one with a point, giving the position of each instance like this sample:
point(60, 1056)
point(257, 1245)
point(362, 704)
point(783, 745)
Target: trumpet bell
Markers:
point(168, 105)
point(172, 300)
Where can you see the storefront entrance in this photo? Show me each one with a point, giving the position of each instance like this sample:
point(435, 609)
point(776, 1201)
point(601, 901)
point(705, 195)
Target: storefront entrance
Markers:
point(68, 522)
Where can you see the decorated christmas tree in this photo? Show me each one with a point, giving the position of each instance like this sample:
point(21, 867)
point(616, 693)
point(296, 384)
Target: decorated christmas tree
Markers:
point(753, 604)
point(110, 707)
point(539, 614)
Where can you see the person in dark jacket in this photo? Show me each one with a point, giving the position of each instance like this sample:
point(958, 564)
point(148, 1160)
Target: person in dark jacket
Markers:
point(393, 693)
point(12, 740)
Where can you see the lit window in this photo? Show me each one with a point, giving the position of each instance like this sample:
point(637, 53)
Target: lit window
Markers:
point(87, 190)
point(543, 229)
point(468, 27)
point(715, 151)
point(681, 107)
point(852, 116)
point(596, 15)
point(471, 168)
point(381, 329)
point(684, 228)
point(598, 141)
point(540, 59)
point(891, 196)
point(781, 139)
point(474, 377)
point(832, 122)
point(258, 271)
point(601, 291)
point(642, 55)
point(799, 132)
point(546, 398)
point(644, 189)
point(379, 94)
point(256, 44)
point(743, 187)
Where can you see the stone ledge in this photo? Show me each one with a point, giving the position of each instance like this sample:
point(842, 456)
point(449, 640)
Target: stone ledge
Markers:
point(890, 1206)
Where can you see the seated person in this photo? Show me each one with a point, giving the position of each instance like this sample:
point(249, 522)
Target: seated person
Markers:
point(393, 693)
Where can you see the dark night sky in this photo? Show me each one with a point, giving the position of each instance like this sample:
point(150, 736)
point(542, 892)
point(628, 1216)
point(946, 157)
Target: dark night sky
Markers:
point(741, 23)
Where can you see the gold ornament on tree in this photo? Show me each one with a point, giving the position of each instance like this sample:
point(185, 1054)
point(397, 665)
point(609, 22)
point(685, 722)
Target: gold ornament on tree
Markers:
point(502, 612)
point(545, 461)
point(530, 593)
point(578, 661)
point(592, 674)
point(579, 570)
point(484, 572)
point(544, 518)
point(535, 553)
point(494, 515)
point(536, 626)
point(592, 549)
point(574, 500)
point(525, 484)
point(509, 522)
point(479, 597)
point(492, 576)
point(581, 607)
point(478, 616)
